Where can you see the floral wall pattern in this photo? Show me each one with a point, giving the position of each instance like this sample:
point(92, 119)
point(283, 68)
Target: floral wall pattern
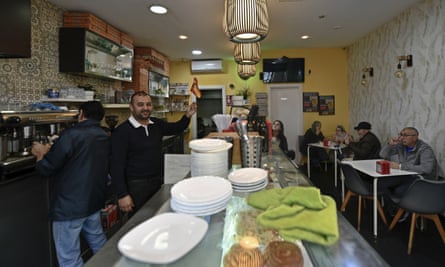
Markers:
point(418, 99)
point(24, 81)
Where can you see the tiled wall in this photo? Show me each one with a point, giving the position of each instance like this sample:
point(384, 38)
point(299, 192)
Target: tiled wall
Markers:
point(418, 100)
point(23, 81)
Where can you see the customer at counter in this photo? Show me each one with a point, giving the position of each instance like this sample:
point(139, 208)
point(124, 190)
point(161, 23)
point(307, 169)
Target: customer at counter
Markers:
point(314, 135)
point(136, 166)
point(368, 146)
point(78, 162)
point(407, 152)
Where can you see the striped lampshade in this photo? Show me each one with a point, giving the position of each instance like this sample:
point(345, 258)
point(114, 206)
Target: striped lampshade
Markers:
point(246, 71)
point(246, 21)
point(247, 53)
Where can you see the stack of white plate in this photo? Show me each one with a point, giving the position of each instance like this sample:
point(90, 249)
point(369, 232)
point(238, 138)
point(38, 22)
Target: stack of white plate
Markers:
point(248, 179)
point(201, 196)
point(209, 157)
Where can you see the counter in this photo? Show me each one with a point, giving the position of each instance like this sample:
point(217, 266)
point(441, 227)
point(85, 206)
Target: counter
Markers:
point(350, 250)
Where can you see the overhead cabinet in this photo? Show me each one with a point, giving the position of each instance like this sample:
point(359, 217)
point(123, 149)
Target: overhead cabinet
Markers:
point(84, 52)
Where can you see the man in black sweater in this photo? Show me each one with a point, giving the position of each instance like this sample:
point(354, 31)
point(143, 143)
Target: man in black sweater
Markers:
point(136, 166)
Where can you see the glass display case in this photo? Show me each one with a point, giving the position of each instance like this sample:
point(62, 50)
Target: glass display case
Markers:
point(158, 88)
point(82, 51)
point(158, 84)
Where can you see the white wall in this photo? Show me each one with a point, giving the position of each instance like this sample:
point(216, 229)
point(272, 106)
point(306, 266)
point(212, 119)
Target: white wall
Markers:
point(389, 103)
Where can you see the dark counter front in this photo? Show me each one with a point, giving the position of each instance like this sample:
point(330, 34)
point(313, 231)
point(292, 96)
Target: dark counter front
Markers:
point(350, 250)
point(24, 225)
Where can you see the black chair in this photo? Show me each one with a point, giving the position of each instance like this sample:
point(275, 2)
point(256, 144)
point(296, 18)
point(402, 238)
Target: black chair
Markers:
point(425, 199)
point(358, 187)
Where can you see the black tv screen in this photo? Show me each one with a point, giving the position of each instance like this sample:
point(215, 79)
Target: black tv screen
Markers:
point(15, 29)
point(283, 70)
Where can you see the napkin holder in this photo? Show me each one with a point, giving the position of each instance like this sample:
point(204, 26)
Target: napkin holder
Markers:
point(383, 167)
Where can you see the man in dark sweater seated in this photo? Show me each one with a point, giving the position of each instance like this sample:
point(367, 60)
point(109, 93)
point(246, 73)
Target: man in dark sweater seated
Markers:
point(136, 166)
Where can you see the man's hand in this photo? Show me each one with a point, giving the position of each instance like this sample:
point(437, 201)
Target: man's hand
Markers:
point(192, 110)
point(39, 150)
point(126, 203)
point(394, 165)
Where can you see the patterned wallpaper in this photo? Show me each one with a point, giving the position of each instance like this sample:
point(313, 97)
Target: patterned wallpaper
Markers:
point(391, 103)
point(23, 81)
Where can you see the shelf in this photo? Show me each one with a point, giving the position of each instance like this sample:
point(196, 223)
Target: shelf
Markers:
point(73, 100)
point(116, 105)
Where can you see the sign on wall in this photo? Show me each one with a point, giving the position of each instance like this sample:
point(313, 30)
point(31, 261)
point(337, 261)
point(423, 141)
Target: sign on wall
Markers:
point(310, 102)
point(326, 105)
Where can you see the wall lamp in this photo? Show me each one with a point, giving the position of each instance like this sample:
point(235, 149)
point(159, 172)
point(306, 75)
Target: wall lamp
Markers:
point(370, 71)
point(409, 63)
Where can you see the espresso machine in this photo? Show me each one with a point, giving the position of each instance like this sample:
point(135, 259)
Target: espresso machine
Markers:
point(18, 130)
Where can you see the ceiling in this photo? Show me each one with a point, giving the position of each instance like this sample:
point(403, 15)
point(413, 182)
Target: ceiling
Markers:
point(329, 23)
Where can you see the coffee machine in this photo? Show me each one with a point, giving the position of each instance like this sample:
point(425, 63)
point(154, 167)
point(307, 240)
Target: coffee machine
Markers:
point(18, 130)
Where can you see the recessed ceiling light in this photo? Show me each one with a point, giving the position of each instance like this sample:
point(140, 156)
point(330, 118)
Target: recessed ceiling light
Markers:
point(158, 9)
point(183, 37)
point(305, 37)
point(338, 27)
point(196, 52)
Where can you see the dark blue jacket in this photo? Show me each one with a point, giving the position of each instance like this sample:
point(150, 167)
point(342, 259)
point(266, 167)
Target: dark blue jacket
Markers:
point(78, 163)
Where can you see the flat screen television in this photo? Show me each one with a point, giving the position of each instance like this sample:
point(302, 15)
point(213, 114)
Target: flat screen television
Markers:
point(283, 70)
point(15, 29)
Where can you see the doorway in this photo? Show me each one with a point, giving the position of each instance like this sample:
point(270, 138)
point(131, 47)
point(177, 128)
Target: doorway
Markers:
point(212, 101)
point(285, 104)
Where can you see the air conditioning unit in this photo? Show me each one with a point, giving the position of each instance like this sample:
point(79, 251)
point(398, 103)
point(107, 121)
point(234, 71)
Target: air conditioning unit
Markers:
point(206, 65)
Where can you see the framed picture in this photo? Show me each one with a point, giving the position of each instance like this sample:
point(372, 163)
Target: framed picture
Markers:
point(310, 102)
point(326, 105)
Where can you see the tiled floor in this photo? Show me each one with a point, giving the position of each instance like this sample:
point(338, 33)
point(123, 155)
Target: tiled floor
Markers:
point(428, 249)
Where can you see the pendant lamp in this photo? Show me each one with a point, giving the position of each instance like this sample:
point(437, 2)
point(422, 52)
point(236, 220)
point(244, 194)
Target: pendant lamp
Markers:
point(247, 53)
point(246, 71)
point(246, 21)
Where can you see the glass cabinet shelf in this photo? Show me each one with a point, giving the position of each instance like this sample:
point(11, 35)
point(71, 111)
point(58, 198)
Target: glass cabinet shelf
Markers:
point(82, 51)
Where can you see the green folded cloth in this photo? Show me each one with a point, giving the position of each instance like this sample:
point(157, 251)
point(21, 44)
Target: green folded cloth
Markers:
point(308, 197)
point(298, 213)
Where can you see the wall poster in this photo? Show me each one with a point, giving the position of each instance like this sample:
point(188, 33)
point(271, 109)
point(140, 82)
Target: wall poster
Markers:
point(310, 102)
point(326, 105)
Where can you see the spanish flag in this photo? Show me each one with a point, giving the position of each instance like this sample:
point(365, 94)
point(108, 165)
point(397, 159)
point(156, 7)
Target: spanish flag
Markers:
point(195, 89)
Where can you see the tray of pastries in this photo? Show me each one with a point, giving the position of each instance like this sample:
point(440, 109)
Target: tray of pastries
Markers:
point(248, 244)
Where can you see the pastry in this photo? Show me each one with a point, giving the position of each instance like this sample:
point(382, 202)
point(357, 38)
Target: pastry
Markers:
point(241, 257)
point(283, 254)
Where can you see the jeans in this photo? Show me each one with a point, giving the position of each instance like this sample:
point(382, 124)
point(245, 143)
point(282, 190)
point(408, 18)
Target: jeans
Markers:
point(66, 236)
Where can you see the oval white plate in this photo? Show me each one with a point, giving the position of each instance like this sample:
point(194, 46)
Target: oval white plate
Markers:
point(163, 238)
point(201, 189)
point(247, 175)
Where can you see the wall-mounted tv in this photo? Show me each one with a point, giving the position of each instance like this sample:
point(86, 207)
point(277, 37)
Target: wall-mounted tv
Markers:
point(15, 29)
point(283, 70)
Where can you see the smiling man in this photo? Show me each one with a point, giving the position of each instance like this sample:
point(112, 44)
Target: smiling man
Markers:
point(136, 167)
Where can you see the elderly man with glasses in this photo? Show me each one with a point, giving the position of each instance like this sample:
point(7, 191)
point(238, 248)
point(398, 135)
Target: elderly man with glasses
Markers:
point(407, 152)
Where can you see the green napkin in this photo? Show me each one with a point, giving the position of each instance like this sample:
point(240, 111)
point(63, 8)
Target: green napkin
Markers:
point(298, 213)
point(308, 197)
point(318, 226)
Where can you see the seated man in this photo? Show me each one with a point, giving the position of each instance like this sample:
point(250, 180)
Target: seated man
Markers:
point(408, 152)
point(368, 146)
